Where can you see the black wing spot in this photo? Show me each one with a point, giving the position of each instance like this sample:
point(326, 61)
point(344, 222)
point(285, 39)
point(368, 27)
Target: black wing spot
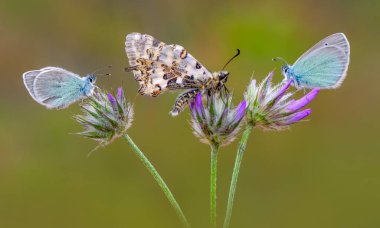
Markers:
point(326, 44)
point(156, 43)
point(168, 76)
point(188, 79)
point(172, 81)
point(198, 66)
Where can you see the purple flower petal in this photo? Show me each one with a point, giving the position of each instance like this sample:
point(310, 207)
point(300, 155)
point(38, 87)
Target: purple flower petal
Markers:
point(193, 109)
point(120, 94)
point(269, 77)
point(253, 83)
point(265, 85)
point(111, 98)
point(298, 116)
point(191, 104)
point(225, 114)
point(199, 104)
point(98, 95)
point(268, 80)
point(282, 91)
point(240, 111)
point(302, 102)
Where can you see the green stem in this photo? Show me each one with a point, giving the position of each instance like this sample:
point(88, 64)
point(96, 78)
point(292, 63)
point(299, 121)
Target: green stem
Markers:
point(214, 163)
point(159, 180)
point(235, 173)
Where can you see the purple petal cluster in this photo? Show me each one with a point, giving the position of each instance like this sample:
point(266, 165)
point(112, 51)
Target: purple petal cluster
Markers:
point(105, 116)
point(216, 121)
point(273, 107)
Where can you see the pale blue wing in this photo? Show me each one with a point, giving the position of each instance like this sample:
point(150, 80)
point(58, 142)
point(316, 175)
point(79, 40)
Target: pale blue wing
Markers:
point(323, 68)
point(29, 78)
point(58, 88)
point(324, 65)
point(338, 40)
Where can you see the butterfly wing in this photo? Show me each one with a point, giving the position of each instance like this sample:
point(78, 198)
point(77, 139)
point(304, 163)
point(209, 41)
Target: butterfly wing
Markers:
point(57, 88)
point(141, 46)
point(159, 67)
point(29, 78)
point(325, 64)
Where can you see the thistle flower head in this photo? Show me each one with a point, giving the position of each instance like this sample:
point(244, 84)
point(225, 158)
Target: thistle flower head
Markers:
point(216, 121)
point(105, 116)
point(272, 107)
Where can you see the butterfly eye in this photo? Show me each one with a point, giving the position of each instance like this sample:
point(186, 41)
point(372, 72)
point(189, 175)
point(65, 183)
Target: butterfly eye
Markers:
point(91, 79)
point(223, 75)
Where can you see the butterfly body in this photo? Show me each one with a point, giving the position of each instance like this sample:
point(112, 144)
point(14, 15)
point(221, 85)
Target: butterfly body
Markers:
point(289, 74)
point(323, 66)
point(159, 67)
point(57, 88)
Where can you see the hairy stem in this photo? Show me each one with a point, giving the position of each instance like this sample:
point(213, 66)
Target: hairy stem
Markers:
point(235, 173)
point(159, 180)
point(214, 163)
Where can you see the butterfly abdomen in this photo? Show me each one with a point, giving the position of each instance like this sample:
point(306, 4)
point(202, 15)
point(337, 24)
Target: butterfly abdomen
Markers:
point(183, 100)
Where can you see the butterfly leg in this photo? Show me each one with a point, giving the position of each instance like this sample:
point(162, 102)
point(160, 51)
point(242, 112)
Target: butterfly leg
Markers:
point(182, 101)
point(131, 68)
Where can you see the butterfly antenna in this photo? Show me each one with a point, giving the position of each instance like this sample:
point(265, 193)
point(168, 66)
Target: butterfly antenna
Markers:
point(100, 69)
point(236, 55)
point(280, 59)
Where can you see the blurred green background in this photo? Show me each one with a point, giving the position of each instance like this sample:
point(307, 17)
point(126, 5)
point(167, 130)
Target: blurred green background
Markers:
point(322, 173)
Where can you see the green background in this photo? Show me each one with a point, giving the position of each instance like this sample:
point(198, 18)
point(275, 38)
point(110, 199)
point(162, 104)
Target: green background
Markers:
point(324, 172)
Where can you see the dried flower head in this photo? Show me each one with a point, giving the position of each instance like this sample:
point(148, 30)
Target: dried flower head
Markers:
point(217, 121)
point(105, 117)
point(271, 108)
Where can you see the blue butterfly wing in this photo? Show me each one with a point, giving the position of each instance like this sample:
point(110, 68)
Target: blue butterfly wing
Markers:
point(323, 68)
point(324, 65)
point(58, 88)
point(29, 78)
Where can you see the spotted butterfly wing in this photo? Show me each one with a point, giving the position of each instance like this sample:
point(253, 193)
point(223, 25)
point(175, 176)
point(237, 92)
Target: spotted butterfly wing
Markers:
point(158, 66)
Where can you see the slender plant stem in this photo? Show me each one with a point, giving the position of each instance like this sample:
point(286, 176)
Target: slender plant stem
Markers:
point(159, 180)
point(235, 173)
point(214, 163)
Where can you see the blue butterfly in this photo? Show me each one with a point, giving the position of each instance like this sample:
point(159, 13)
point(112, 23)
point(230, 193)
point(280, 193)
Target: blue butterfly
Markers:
point(57, 88)
point(322, 66)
